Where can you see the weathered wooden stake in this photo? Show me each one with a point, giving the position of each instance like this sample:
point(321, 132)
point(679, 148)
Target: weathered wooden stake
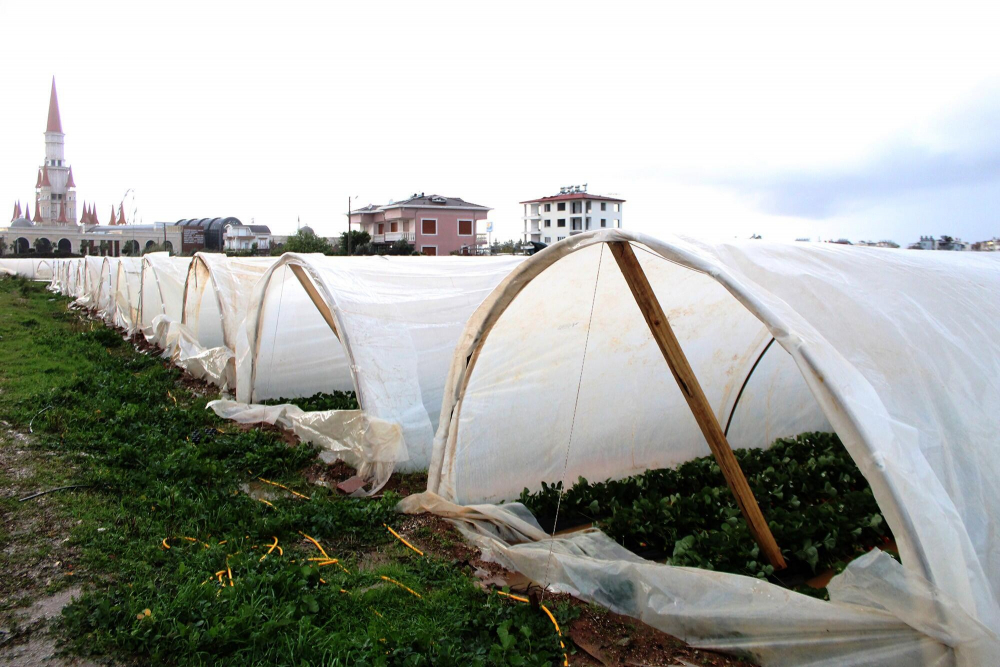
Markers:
point(700, 408)
point(321, 305)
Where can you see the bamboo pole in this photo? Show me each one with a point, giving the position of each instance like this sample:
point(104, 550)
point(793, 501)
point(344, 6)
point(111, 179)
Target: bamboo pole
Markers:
point(662, 332)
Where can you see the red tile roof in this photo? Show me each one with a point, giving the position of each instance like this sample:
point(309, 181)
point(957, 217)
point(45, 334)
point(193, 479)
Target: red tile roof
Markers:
point(45, 177)
point(54, 124)
point(571, 195)
point(69, 179)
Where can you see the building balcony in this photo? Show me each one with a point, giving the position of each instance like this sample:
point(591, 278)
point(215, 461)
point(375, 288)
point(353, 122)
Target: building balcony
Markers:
point(392, 237)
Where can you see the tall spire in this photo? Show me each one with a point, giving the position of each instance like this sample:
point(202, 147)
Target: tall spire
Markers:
point(54, 124)
point(17, 210)
point(62, 214)
point(38, 182)
point(45, 177)
point(27, 211)
point(38, 212)
point(13, 216)
point(112, 221)
point(121, 214)
point(69, 179)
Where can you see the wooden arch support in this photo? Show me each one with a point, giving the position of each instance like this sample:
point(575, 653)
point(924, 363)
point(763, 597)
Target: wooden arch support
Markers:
point(662, 332)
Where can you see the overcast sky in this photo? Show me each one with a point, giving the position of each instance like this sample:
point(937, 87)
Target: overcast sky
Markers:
point(864, 120)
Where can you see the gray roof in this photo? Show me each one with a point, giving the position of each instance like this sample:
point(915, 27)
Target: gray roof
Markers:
point(207, 223)
point(22, 222)
point(308, 229)
point(259, 229)
point(424, 201)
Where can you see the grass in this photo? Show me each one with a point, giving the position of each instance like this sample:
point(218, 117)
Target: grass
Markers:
point(121, 423)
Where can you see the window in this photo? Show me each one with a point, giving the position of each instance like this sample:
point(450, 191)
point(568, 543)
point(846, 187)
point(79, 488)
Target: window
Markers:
point(560, 238)
point(548, 239)
point(604, 206)
point(618, 208)
point(588, 223)
point(429, 228)
point(561, 206)
point(548, 223)
point(465, 227)
point(576, 207)
point(561, 223)
point(604, 222)
point(381, 228)
point(548, 207)
point(429, 250)
point(588, 206)
point(393, 226)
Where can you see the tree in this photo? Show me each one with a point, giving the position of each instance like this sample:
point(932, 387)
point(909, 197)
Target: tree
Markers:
point(42, 245)
point(400, 247)
point(359, 239)
point(103, 248)
point(306, 241)
point(3, 246)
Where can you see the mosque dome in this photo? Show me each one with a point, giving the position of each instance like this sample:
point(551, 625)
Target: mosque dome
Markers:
point(22, 222)
point(308, 230)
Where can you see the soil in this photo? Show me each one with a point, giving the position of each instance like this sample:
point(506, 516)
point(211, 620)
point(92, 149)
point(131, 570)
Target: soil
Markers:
point(36, 559)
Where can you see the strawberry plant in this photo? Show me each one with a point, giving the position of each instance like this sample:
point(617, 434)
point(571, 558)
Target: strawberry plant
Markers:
point(820, 509)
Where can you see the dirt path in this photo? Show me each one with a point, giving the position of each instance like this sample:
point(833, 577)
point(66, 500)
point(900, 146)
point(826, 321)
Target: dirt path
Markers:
point(36, 559)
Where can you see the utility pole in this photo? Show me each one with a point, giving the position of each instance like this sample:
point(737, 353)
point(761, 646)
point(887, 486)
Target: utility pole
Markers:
point(348, 225)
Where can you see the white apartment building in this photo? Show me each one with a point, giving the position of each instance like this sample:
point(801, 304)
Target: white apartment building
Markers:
point(573, 211)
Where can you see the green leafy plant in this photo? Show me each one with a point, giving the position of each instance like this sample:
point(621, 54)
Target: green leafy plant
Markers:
point(818, 505)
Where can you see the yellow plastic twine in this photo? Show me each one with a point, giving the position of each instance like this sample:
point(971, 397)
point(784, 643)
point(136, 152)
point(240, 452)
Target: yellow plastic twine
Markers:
point(189, 539)
point(400, 538)
point(282, 486)
point(403, 586)
point(273, 546)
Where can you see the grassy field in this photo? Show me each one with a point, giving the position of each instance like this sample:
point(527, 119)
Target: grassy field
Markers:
point(155, 465)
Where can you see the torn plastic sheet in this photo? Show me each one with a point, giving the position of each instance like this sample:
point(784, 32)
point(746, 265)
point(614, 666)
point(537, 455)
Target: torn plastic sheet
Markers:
point(910, 623)
point(370, 445)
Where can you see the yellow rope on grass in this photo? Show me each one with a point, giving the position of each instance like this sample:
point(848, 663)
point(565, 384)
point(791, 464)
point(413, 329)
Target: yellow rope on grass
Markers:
point(273, 546)
point(265, 502)
point(403, 586)
point(282, 486)
point(318, 545)
point(400, 538)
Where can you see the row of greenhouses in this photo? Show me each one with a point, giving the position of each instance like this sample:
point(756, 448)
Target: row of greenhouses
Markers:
point(611, 354)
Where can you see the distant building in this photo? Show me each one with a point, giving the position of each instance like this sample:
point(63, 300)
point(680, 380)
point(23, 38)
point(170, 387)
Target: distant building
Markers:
point(991, 245)
point(573, 211)
point(243, 238)
point(432, 224)
point(943, 243)
point(879, 244)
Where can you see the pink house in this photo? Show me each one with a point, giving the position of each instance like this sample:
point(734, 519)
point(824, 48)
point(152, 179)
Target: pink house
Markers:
point(432, 224)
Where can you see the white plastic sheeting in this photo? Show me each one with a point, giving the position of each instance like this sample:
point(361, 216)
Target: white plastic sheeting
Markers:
point(32, 269)
point(161, 289)
point(397, 321)
point(899, 350)
point(217, 292)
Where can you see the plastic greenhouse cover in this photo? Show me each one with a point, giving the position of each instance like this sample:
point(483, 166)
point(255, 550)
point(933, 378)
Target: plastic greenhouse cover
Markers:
point(32, 269)
point(161, 288)
point(899, 352)
point(397, 320)
point(127, 294)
